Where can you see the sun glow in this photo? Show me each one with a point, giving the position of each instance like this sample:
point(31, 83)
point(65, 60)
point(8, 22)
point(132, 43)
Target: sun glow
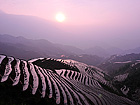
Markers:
point(60, 17)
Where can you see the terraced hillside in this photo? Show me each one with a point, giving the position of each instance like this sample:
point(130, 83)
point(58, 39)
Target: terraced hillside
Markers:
point(126, 80)
point(124, 71)
point(55, 81)
point(115, 62)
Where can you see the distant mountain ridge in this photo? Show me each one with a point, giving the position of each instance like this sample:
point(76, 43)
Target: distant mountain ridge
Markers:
point(38, 28)
point(41, 47)
point(24, 48)
point(110, 51)
point(28, 26)
point(21, 47)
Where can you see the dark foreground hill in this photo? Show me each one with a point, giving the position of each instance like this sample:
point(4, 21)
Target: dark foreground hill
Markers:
point(56, 81)
point(125, 73)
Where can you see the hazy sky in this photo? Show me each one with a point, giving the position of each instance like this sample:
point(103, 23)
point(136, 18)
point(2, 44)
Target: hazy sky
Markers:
point(115, 22)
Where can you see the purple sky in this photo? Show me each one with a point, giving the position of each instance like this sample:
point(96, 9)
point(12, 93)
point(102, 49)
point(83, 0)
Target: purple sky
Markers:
point(114, 22)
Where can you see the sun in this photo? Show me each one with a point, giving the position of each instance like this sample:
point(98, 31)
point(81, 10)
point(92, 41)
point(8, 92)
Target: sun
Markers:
point(60, 17)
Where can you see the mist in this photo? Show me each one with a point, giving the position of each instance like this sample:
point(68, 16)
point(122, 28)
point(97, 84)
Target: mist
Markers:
point(88, 23)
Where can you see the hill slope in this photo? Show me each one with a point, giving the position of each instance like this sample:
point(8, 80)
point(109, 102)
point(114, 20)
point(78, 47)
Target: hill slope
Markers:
point(63, 82)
